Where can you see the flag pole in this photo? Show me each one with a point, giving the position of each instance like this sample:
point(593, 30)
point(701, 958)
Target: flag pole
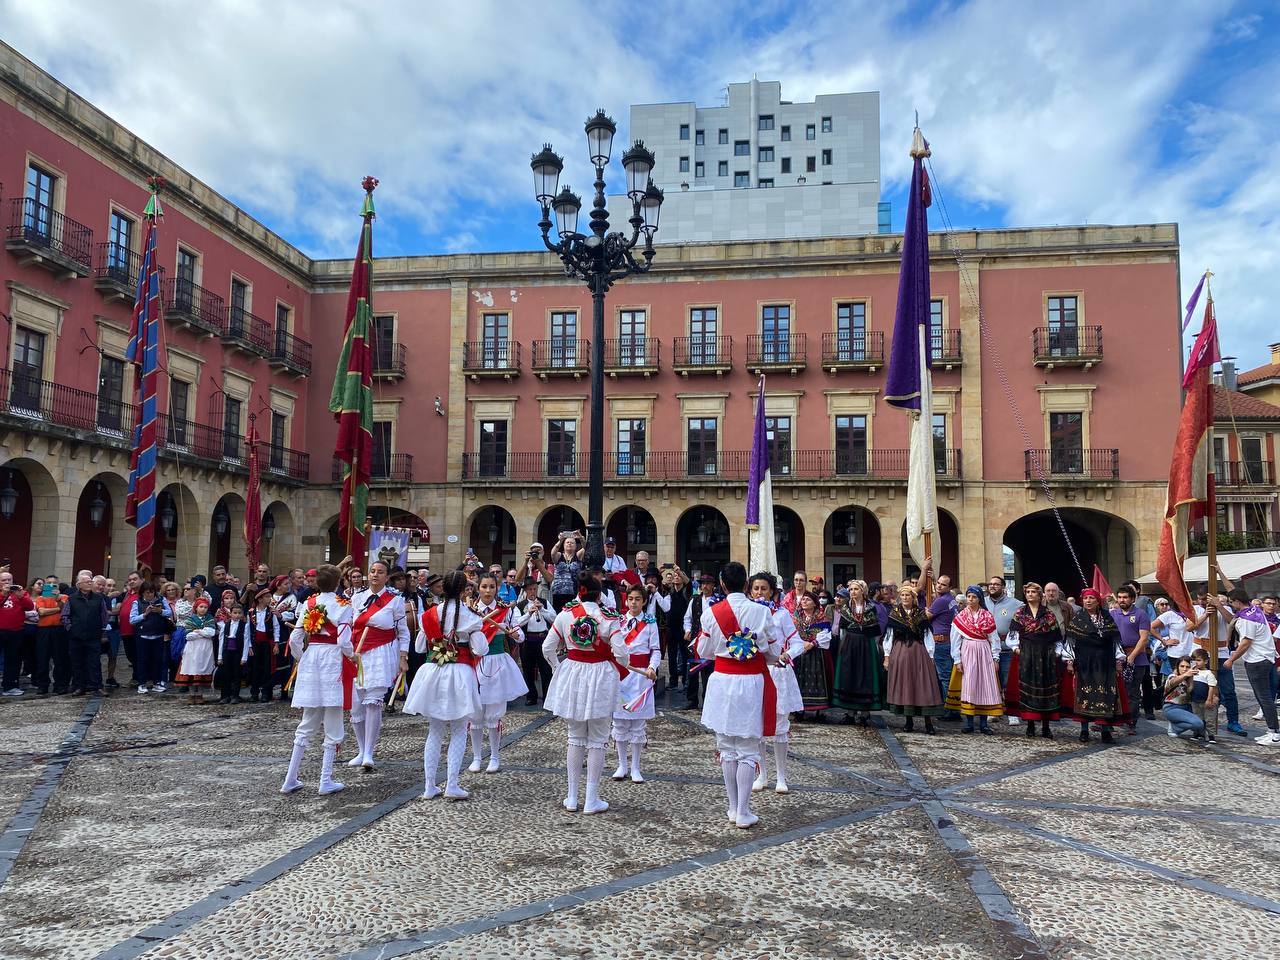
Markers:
point(1211, 556)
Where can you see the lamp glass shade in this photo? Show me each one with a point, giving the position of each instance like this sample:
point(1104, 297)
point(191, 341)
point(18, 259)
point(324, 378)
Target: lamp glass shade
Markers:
point(268, 527)
point(220, 522)
point(97, 510)
point(8, 499)
point(567, 204)
point(638, 164)
point(546, 166)
point(600, 131)
point(167, 517)
point(651, 208)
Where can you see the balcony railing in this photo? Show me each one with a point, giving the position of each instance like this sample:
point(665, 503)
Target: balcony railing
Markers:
point(115, 272)
point(389, 361)
point(782, 351)
point(189, 303)
point(284, 463)
point(396, 469)
point(491, 358)
point(203, 441)
point(632, 355)
point(673, 465)
point(1073, 464)
point(1227, 540)
point(944, 348)
point(850, 350)
point(702, 354)
point(1244, 473)
point(36, 403)
point(248, 333)
point(40, 234)
point(1066, 346)
point(561, 356)
point(291, 353)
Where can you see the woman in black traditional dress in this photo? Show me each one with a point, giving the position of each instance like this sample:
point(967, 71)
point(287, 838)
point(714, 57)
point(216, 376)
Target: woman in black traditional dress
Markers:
point(1093, 655)
point(813, 667)
point(1034, 690)
point(860, 679)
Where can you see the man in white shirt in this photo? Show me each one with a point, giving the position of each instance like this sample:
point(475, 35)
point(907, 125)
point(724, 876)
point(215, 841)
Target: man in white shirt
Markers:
point(613, 562)
point(1257, 649)
point(1176, 633)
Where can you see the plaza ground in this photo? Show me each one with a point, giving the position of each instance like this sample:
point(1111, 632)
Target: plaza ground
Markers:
point(146, 827)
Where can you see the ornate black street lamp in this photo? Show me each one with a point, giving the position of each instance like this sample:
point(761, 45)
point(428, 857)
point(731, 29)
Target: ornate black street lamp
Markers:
point(599, 258)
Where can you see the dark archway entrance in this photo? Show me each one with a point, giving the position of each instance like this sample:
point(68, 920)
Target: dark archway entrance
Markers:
point(702, 540)
point(1040, 554)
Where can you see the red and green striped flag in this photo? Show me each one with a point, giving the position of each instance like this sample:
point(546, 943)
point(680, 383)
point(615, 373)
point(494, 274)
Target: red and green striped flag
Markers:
point(352, 399)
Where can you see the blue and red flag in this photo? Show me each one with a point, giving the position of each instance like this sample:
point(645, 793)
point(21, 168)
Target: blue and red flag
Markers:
point(143, 351)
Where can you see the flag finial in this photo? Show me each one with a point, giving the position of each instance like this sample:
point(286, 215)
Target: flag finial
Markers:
point(919, 145)
point(153, 211)
point(370, 184)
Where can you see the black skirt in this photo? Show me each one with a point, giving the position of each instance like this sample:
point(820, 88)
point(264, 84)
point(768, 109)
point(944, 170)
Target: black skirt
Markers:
point(859, 682)
point(813, 674)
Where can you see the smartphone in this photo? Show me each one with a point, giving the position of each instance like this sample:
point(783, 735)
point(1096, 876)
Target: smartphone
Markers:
point(667, 566)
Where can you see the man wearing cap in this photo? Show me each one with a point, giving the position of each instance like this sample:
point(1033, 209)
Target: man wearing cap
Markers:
point(308, 588)
point(534, 619)
point(700, 603)
point(613, 563)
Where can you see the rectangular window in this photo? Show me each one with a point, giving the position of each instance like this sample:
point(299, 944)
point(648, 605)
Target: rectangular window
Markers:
point(493, 448)
point(1064, 329)
point(935, 329)
point(851, 445)
point(631, 338)
point(184, 292)
point(631, 447)
point(722, 169)
point(786, 132)
point(703, 323)
point(1251, 462)
point(940, 443)
point(851, 331)
point(1066, 443)
point(179, 392)
point(380, 462)
point(766, 121)
point(111, 394)
point(775, 333)
point(723, 136)
point(237, 315)
point(826, 158)
point(283, 348)
point(741, 178)
point(28, 369)
point(777, 431)
point(742, 148)
point(495, 331)
point(684, 131)
point(38, 215)
point(1220, 457)
point(826, 124)
point(383, 333)
point(564, 339)
point(279, 439)
point(786, 165)
point(765, 155)
point(562, 447)
point(765, 182)
point(699, 170)
point(232, 436)
point(699, 138)
point(120, 245)
point(810, 164)
point(810, 133)
point(703, 461)
point(684, 164)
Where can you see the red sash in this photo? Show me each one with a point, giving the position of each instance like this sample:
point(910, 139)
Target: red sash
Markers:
point(373, 637)
point(434, 631)
point(598, 654)
point(754, 665)
point(635, 632)
point(330, 635)
point(639, 660)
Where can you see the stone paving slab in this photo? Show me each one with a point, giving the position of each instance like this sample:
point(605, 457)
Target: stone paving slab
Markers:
point(1086, 908)
point(36, 724)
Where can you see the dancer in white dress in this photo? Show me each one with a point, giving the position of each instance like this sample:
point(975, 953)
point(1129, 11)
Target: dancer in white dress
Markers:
point(380, 634)
point(740, 705)
point(196, 668)
point(321, 644)
point(764, 590)
point(445, 689)
point(584, 688)
point(644, 652)
point(500, 679)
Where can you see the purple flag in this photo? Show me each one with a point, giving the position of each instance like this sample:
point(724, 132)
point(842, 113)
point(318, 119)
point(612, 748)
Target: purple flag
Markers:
point(902, 379)
point(759, 462)
point(1191, 304)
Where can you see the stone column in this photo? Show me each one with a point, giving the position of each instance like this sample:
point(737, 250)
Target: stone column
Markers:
point(977, 548)
point(459, 417)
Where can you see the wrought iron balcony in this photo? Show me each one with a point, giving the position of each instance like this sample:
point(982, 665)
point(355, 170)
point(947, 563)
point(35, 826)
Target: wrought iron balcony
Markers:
point(1066, 346)
point(702, 354)
point(115, 272)
point(200, 310)
point(42, 406)
point(248, 333)
point(1244, 473)
point(784, 351)
point(632, 355)
point(393, 470)
point(389, 361)
point(41, 236)
point(849, 350)
point(944, 348)
point(185, 439)
point(1071, 464)
point(565, 357)
point(290, 353)
point(284, 464)
point(491, 358)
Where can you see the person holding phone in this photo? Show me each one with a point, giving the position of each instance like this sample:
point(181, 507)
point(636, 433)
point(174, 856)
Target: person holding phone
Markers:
point(566, 557)
point(51, 641)
point(152, 620)
point(15, 605)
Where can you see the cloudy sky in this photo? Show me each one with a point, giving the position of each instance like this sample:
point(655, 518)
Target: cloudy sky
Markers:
point(1109, 112)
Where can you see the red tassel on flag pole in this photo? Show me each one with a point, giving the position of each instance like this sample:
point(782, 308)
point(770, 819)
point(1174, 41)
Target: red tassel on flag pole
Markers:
point(253, 500)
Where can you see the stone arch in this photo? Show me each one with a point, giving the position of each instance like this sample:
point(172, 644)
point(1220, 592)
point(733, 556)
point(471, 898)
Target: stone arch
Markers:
point(95, 546)
point(1099, 537)
point(788, 535)
point(551, 521)
point(851, 545)
point(181, 550)
point(226, 535)
point(283, 550)
point(31, 534)
point(702, 540)
point(492, 534)
point(635, 529)
point(946, 550)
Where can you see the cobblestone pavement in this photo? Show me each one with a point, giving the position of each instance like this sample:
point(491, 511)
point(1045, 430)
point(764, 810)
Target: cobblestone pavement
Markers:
point(147, 827)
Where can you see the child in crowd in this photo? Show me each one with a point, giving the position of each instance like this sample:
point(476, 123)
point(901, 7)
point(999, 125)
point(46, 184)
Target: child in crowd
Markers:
point(196, 669)
point(635, 693)
point(1204, 695)
point(233, 653)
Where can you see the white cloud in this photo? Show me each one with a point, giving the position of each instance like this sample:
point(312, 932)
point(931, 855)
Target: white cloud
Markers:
point(1102, 111)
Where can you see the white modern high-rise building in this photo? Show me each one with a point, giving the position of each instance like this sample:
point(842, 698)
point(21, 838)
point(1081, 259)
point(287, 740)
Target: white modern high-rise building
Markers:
point(763, 168)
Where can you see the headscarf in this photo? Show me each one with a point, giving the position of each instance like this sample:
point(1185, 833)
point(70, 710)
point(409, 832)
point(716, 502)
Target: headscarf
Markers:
point(914, 624)
point(1090, 592)
point(974, 588)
